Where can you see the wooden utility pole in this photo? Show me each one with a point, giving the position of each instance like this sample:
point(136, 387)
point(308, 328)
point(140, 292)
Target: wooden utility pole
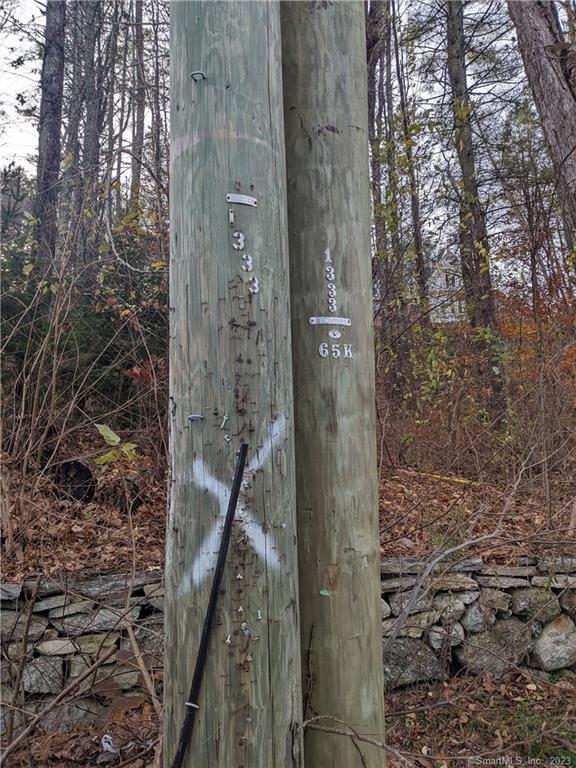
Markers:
point(231, 382)
point(325, 109)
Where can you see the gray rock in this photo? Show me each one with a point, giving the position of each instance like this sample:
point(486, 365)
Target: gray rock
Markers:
point(6, 668)
point(95, 643)
point(18, 718)
point(83, 606)
point(536, 628)
point(12, 625)
point(526, 560)
point(150, 637)
point(509, 570)
point(535, 603)
point(51, 602)
point(399, 600)
point(398, 584)
point(556, 646)
point(97, 621)
point(568, 602)
point(111, 589)
point(537, 674)
point(450, 607)
point(107, 679)
point(477, 618)
point(454, 582)
point(414, 626)
point(468, 597)
point(444, 636)
point(68, 715)
point(496, 601)
point(13, 651)
point(554, 582)
point(502, 582)
point(10, 591)
point(557, 564)
point(497, 649)
point(408, 661)
point(157, 603)
point(448, 582)
point(154, 590)
point(400, 566)
point(385, 608)
point(6, 693)
point(43, 675)
point(61, 646)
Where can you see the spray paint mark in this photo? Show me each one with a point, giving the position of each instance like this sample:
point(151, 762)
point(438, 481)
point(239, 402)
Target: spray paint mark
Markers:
point(261, 542)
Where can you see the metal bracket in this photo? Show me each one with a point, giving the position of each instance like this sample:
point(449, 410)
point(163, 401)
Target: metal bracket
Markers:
point(232, 197)
point(198, 75)
point(330, 321)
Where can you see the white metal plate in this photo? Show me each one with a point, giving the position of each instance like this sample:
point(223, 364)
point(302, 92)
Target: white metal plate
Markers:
point(232, 197)
point(330, 321)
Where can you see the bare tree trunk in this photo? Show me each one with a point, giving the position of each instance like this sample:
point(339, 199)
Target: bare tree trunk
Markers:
point(140, 105)
point(157, 130)
point(122, 121)
point(91, 147)
point(375, 112)
point(111, 104)
point(51, 86)
point(474, 253)
point(550, 64)
point(395, 303)
point(421, 277)
point(71, 174)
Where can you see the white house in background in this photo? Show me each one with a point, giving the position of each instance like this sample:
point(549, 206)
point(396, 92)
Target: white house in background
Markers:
point(445, 286)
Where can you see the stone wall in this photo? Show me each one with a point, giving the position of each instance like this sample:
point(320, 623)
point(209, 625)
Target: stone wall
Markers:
point(50, 640)
point(467, 614)
point(477, 616)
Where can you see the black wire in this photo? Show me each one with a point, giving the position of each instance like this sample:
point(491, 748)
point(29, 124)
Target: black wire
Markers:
point(192, 703)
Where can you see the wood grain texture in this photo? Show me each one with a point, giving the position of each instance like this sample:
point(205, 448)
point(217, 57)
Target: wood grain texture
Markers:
point(231, 363)
point(325, 109)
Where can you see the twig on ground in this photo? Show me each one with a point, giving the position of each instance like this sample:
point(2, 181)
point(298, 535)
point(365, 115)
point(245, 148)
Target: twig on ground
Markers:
point(144, 672)
point(351, 733)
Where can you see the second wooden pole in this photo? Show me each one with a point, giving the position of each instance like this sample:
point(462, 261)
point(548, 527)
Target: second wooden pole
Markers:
point(325, 109)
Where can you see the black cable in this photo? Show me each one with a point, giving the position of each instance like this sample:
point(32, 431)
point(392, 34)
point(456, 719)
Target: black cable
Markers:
point(192, 703)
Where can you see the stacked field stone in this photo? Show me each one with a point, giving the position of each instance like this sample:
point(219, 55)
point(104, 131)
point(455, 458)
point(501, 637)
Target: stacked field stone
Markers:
point(464, 616)
point(477, 617)
point(48, 641)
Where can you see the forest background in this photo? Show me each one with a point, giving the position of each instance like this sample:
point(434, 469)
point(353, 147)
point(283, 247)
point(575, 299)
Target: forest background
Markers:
point(473, 256)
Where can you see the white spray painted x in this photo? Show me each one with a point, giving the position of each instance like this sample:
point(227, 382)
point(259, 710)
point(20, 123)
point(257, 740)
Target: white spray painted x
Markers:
point(206, 557)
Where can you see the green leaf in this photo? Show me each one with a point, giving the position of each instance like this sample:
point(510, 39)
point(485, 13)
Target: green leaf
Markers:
point(325, 593)
point(106, 458)
point(110, 437)
point(129, 449)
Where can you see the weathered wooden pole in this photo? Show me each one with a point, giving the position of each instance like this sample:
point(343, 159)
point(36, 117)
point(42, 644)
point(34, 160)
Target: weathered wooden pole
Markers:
point(325, 110)
point(231, 382)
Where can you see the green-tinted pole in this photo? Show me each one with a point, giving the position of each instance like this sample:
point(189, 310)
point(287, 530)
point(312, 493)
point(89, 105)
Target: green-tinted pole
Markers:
point(231, 382)
point(325, 109)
